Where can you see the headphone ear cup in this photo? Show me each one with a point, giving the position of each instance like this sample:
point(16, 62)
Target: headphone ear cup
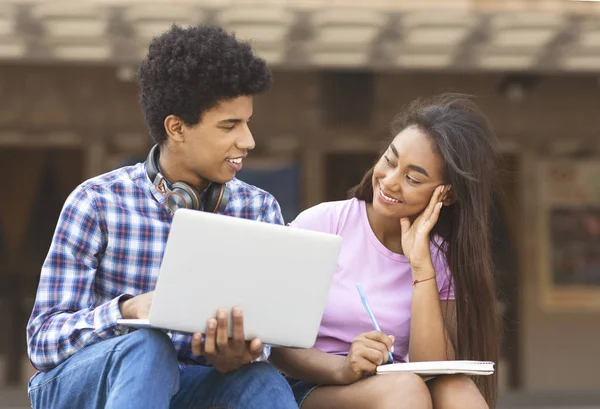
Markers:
point(224, 200)
point(216, 198)
point(184, 196)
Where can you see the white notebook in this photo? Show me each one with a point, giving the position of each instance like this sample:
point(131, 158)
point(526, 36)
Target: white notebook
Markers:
point(440, 368)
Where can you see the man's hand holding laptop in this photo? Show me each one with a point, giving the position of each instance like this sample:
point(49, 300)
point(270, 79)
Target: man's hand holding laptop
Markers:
point(225, 354)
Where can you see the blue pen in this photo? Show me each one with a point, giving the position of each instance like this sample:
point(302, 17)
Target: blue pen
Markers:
point(363, 298)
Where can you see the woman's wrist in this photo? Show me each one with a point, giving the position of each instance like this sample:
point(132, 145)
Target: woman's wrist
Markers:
point(341, 376)
point(422, 272)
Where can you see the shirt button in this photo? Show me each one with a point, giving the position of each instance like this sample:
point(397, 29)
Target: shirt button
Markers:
point(117, 333)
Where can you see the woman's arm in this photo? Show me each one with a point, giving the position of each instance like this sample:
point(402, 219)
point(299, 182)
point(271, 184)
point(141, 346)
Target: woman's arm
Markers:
point(367, 351)
point(429, 340)
point(432, 324)
point(309, 365)
point(449, 316)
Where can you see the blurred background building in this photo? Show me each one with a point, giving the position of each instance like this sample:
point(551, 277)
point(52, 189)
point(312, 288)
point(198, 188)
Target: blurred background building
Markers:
point(342, 70)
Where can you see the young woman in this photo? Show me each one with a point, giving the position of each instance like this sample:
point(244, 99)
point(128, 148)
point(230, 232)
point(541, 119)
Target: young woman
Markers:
point(417, 239)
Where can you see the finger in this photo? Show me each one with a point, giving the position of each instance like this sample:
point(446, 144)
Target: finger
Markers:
point(210, 347)
point(197, 345)
point(364, 366)
point(222, 330)
point(369, 368)
point(435, 198)
point(382, 348)
point(256, 348)
point(436, 214)
point(405, 225)
point(446, 192)
point(385, 348)
point(442, 193)
point(238, 341)
point(373, 356)
point(380, 337)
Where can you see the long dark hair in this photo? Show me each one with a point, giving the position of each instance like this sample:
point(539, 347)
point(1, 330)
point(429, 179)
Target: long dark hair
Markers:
point(466, 142)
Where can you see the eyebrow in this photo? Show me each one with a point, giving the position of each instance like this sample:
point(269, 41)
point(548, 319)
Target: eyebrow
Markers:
point(418, 169)
point(412, 167)
point(233, 121)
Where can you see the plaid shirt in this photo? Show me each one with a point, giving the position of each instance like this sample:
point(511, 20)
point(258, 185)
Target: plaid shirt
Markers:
point(109, 241)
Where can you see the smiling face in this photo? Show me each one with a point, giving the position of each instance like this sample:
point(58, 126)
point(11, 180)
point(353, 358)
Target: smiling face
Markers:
point(406, 175)
point(216, 146)
point(213, 150)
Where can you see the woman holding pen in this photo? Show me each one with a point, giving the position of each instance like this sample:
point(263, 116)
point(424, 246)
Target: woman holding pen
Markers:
point(417, 244)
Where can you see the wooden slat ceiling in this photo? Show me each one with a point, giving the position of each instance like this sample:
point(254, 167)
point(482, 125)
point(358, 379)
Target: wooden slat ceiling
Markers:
point(476, 35)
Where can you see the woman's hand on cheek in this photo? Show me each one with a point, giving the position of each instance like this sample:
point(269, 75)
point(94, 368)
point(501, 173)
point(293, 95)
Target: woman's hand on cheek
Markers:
point(415, 235)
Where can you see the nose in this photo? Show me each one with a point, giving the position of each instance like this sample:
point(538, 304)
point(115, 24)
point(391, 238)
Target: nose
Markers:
point(391, 182)
point(246, 140)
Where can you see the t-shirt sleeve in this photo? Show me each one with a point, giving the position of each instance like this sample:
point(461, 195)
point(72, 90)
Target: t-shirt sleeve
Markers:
point(443, 274)
point(318, 218)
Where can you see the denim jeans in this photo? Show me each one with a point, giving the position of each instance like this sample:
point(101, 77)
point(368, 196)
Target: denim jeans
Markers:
point(139, 370)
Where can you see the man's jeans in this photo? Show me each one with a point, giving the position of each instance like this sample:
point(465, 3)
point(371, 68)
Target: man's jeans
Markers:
point(140, 370)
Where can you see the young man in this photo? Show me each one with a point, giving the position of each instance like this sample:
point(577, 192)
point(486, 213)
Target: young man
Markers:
point(197, 86)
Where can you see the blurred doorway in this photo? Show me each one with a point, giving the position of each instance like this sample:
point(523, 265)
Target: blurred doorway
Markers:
point(36, 183)
point(345, 170)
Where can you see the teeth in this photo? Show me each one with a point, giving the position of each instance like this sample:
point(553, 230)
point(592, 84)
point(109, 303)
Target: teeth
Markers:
point(389, 199)
point(237, 160)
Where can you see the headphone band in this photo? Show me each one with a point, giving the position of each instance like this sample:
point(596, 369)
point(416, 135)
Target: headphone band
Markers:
point(182, 194)
point(152, 169)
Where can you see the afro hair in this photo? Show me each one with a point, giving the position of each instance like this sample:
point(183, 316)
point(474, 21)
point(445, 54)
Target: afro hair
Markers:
point(190, 70)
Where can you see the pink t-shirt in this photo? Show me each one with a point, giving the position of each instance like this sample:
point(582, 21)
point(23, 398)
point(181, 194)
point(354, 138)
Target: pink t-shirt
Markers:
point(384, 276)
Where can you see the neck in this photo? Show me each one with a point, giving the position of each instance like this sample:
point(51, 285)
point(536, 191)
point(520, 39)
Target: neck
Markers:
point(386, 229)
point(173, 169)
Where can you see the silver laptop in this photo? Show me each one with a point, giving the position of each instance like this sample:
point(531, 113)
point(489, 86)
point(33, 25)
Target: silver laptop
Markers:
point(280, 276)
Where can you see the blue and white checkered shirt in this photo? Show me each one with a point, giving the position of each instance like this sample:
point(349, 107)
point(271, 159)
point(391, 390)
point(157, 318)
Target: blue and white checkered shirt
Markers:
point(109, 241)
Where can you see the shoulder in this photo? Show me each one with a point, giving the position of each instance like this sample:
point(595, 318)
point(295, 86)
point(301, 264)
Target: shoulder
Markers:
point(243, 194)
point(120, 181)
point(242, 190)
point(115, 186)
point(251, 202)
point(327, 217)
point(82, 211)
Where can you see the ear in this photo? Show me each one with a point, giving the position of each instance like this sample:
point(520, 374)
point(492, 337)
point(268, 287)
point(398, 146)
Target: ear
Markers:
point(174, 128)
point(450, 196)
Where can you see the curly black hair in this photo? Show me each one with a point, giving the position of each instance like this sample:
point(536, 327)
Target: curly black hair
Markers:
point(190, 70)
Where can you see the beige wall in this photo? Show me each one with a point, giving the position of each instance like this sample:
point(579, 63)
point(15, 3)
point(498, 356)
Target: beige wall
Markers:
point(559, 351)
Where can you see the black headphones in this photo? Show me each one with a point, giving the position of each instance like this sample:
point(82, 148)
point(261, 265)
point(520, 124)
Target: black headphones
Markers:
point(184, 195)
